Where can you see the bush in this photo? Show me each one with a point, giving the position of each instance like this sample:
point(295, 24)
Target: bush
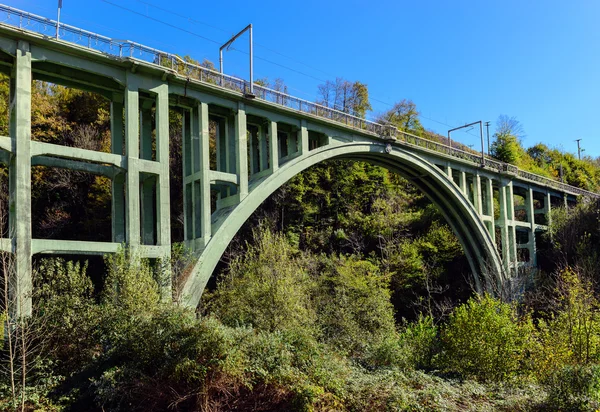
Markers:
point(268, 288)
point(485, 340)
point(575, 388)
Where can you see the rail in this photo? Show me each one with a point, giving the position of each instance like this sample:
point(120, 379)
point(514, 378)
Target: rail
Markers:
point(127, 49)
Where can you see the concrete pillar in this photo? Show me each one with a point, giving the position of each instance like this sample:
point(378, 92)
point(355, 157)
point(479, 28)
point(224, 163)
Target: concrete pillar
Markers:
point(531, 218)
point(303, 138)
point(241, 150)
point(506, 258)
point(186, 134)
point(489, 199)
point(273, 146)
point(163, 203)
point(462, 183)
point(548, 208)
point(205, 224)
point(118, 182)
point(477, 197)
point(263, 148)
point(20, 183)
point(132, 146)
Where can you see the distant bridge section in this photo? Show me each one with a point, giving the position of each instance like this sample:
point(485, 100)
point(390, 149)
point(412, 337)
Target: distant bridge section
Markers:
point(262, 140)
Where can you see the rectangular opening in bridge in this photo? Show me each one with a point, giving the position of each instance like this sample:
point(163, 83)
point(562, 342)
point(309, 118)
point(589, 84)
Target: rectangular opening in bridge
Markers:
point(282, 144)
point(254, 140)
point(556, 201)
point(316, 140)
point(147, 106)
point(148, 212)
point(70, 204)
point(215, 129)
point(456, 177)
point(522, 236)
point(485, 196)
point(72, 117)
point(519, 202)
point(496, 200)
point(222, 139)
point(4, 103)
point(540, 209)
point(523, 255)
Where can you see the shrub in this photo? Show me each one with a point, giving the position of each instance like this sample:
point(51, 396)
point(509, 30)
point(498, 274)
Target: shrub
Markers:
point(267, 288)
point(575, 388)
point(485, 340)
point(353, 305)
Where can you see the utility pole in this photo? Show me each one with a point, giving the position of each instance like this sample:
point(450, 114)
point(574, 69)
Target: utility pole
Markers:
point(487, 126)
point(480, 134)
point(578, 148)
point(58, 17)
point(226, 46)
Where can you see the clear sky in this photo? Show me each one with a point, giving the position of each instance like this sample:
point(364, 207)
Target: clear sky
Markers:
point(460, 61)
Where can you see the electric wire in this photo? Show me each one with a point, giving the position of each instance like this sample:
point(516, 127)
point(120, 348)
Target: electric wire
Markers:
point(241, 51)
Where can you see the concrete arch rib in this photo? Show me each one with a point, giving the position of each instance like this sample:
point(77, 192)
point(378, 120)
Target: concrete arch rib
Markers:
point(458, 211)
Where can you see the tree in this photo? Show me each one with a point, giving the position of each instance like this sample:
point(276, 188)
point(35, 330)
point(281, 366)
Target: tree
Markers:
point(346, 96)
point(403, 115)
point(506, 146)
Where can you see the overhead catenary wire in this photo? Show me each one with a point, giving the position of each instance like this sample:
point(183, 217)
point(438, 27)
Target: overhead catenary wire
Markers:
point(240, 51)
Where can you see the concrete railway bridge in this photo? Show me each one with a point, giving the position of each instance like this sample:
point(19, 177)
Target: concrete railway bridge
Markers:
point(262, 141)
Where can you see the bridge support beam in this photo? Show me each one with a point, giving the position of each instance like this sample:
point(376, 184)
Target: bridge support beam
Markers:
point(20, 281)
point(118, 182)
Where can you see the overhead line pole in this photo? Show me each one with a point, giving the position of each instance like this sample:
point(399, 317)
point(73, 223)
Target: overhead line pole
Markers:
point(578, 148)
point(480, 135)
point(228, 44)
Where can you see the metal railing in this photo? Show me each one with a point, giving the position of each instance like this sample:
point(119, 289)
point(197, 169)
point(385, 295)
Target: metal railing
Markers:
point(125, 49)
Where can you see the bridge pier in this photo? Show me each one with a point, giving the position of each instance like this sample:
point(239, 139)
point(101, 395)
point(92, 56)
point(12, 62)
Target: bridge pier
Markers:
point(20, 228)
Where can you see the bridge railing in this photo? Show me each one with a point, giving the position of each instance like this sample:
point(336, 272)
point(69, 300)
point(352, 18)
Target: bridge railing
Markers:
point(128, 49)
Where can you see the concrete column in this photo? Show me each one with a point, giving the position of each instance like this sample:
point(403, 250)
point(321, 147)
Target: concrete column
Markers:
point(241, 150)
point(205, 225)
point(263, 149)
point(548, 208)
point(490, 207)
point(512, 230)
point(132, 145)
point(186, 134)
point(504, 228)
point(531, 245)
point(477, 197)
point(251, 152)
point(462, 183)
point(303, 138)
point(163, 203)
point(118, 182)
point(273, 146)
point(20, 183)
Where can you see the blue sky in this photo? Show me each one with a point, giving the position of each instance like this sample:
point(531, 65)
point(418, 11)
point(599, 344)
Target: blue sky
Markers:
point(460, 61)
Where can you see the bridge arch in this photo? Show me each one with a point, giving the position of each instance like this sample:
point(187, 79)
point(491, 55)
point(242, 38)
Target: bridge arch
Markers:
point(477, 243)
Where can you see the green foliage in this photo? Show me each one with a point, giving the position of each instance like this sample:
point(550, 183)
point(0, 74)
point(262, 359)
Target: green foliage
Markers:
point(353, 305)
point(267, 288)
point(405, 116)
point(575, 388)
point(485, 340)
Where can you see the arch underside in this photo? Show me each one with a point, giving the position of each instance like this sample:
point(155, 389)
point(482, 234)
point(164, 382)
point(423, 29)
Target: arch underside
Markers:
point(460, 214)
